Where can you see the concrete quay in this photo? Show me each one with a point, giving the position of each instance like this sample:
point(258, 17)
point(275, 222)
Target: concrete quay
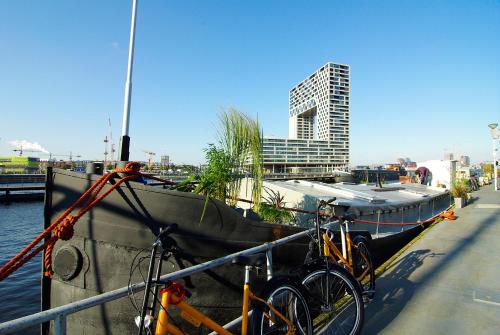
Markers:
point(448, 281)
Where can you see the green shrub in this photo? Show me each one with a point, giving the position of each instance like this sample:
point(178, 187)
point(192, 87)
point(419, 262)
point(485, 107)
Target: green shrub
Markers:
point(272, 214)
point(218, 174)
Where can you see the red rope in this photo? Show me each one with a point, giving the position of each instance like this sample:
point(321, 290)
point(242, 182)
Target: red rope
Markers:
point(446, 214)
point(63, 227)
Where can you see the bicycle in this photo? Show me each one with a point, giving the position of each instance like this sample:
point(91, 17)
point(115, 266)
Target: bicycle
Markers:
point(335, 297)
point(355, 256)
point(279, 309)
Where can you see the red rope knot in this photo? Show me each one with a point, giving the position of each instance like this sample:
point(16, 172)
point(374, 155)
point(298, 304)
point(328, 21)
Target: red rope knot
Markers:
point(448, 215)
point(136, 166)
point(130, 168)
point(65, 230)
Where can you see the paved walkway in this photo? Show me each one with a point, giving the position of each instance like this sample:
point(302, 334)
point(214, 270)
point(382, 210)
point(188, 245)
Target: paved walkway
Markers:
point(448, 282)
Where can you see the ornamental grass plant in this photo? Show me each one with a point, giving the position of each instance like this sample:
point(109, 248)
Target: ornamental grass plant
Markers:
point(237, 154)
point(460, 188)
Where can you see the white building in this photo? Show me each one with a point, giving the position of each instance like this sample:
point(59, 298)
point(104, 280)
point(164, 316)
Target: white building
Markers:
point(281, 155)
point(318, 125)
point(165, 160)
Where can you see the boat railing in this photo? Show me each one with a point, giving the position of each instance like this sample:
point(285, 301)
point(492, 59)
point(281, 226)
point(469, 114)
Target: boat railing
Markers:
point(59, 314)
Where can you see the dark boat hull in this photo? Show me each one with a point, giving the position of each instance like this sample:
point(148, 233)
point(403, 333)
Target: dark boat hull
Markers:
point(98, 258)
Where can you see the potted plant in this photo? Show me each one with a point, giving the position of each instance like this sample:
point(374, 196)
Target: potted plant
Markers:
point(459, 191)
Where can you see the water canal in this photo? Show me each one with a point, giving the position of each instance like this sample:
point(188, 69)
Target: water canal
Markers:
point(20, 223)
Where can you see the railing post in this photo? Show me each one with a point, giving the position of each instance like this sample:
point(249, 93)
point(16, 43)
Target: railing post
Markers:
point(378, 221)
point(402, 218)
point(269, 263)
point(60, 325)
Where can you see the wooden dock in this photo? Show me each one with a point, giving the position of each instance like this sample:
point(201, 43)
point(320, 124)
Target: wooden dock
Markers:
point(14, 193)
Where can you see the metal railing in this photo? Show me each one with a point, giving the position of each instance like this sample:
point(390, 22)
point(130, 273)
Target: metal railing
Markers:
point(59, 314)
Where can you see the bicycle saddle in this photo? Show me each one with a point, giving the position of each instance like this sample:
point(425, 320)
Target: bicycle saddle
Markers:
point(252, 260)
point(349, 216)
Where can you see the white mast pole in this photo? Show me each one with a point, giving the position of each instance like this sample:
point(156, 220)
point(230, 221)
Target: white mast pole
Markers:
point(125, 142)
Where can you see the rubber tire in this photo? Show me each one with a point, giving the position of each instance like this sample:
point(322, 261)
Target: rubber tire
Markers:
point(362, 246)
point(277, 285)
point(352, 287)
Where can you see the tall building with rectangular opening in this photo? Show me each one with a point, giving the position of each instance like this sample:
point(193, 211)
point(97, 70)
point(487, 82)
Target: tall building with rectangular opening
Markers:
point(318, 125)
point(319, 107)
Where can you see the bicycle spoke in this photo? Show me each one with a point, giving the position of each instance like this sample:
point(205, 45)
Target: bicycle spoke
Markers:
point(339, 308)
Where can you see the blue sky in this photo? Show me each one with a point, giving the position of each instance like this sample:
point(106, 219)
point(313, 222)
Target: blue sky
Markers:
point(425, 75)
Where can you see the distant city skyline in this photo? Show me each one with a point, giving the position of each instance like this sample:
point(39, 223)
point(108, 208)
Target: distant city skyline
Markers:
point(423, 82)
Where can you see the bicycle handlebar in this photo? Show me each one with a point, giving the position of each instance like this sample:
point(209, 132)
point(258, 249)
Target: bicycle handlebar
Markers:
point(323, 203)
point(343, 212)
point(163, 239)
point(164, 232)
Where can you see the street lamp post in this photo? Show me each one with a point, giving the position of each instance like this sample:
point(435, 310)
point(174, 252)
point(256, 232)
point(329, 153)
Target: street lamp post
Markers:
point(495, 134)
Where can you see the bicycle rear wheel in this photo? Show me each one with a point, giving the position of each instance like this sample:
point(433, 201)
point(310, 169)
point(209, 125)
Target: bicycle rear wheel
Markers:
point(286, 296)
point(335, 300)
point(363, 267)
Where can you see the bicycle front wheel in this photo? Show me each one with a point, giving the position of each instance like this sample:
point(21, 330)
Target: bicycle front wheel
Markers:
point(363, 267)
point(286, 297)
point(335, 300)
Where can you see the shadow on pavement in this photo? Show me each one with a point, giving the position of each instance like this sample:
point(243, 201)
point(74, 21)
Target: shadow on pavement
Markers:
point(394, 289)
point(397, 290)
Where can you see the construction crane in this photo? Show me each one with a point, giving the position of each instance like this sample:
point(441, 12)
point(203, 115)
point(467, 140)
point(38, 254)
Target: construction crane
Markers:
point(105, 150)
point(150, 156)
point(111, 144)
point(51, 155)
point(21, 150)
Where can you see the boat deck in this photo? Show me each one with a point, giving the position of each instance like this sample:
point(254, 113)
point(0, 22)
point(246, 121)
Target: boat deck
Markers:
point(447, 281)
point(361, 195)
point(395, 203)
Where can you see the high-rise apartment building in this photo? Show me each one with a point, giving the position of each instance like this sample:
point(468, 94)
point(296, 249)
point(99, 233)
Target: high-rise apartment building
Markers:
point(318, 122)
point(319, 106)
point(464, 160)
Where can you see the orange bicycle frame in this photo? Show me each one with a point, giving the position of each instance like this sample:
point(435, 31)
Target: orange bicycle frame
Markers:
point(330, 250)
point(196, 318)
